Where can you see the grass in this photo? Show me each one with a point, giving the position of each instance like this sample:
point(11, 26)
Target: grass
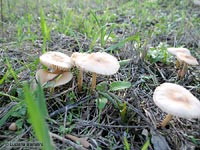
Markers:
point(123, 109)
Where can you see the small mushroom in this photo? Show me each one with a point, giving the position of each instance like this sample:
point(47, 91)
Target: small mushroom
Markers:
point(98, 63)
point(53, 79)
point(57, 61)
point(13, 126)
point(174, 51)
point(60, 63)
point(187, 60)
point(79, 58)
point(176, 100)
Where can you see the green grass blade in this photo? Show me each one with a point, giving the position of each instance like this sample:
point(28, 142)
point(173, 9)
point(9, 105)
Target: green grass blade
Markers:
point(11, 71)
point(45, 30)
point(9, 113)
point(146, 145)
point(41, 100)
point(121, 43)
point(37, 119)
point(4, 77)
point(126, 144)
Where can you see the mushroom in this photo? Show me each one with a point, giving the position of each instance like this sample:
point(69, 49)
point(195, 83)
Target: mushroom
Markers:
point(174, 51)
point(187, 60)
point(57, 61)
point(76, 59)
point(60, 63)
point(54, 79)
point(13, 126)
point(176, 100)
point(98, 63)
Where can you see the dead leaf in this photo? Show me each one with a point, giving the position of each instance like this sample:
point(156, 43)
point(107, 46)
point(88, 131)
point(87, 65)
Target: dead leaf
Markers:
point(82, 141)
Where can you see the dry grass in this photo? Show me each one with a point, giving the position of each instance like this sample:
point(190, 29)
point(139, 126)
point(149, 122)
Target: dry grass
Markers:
point(81, 120)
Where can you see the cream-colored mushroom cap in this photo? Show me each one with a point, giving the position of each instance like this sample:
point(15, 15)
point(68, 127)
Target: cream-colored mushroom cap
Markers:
point(174, 50)
point(78, 58)
point(176, 100)
point(44, 76)
point(100, 63)
point(56, 60)
point(187, 59)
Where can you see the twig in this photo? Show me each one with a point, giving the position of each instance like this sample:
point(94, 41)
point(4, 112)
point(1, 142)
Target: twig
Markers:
point(92, 123)
point(59, 94)
point(76, 146)
point(162, 75)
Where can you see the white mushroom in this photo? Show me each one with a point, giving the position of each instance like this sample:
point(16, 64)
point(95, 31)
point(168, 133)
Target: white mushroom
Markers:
point(98, 63)
point(187, 60)
point(174, 52)
point(77, 58)
point(57, 61)
point(176, 100)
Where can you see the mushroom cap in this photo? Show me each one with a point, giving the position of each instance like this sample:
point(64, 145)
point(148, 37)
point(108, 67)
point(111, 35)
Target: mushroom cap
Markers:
point(187, 59)
point(176, 100)
point(44, 76)
point(79, 57)
point(174, 50)
point(56, 60)
point(99, 62)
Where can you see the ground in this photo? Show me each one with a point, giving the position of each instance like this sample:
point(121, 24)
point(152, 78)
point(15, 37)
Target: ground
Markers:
point(137, 33)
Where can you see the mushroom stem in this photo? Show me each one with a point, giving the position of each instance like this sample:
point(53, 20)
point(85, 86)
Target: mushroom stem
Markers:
point(80, 80)
point(177, 63)
point(184, 69)
point(166, 120)
point(94, 79)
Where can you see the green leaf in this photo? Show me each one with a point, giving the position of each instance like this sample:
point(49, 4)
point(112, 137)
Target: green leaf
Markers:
point(101, 102)
point(124, 62)
point(37, 119)
point(101, 87)
point(119, 85)
point(109, 97)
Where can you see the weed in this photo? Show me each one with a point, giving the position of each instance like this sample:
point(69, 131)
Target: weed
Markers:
point(159, 54)
point(45, 30)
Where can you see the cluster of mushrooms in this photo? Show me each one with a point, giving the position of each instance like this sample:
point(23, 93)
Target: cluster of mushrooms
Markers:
point(59, 65)
point(174, 99)
point(171, 98)
point(184, 58)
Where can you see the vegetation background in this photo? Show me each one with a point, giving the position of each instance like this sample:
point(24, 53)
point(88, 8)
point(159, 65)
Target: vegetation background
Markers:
point(118, 115)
